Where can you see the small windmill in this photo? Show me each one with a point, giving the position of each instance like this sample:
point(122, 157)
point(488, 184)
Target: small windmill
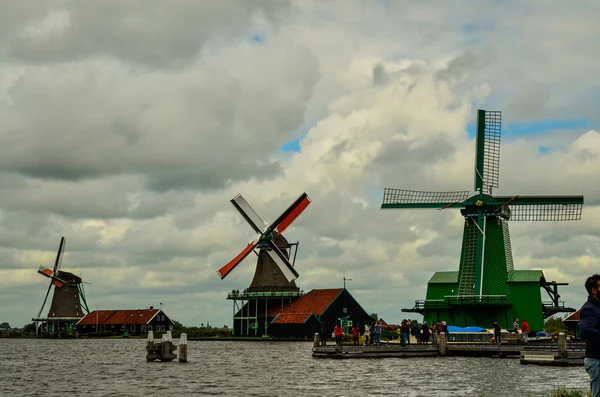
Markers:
point(66, 306)
point(269, 239)
point(486, 261)
point(273, 283)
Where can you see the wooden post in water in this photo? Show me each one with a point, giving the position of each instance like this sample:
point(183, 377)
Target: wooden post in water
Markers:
point(182, 348)
point(562, 345)
point(442, 343)
point(316, 341)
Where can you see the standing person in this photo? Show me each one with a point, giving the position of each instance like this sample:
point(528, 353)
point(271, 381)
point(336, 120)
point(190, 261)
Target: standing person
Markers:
point(338, 332)
point(433, 333)
point(355, 334)
point(497, 330)
point(408, 329)
point(323, 334)
point(403, 332)
point(367, 334)
point(516, 326)
point(589, 328)
point(425, 333)
point(372, 332)
point(378, 330)
point(525, 330)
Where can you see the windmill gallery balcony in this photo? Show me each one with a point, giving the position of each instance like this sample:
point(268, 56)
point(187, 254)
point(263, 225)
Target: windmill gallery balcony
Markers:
point(235, 295)
point(450, 302)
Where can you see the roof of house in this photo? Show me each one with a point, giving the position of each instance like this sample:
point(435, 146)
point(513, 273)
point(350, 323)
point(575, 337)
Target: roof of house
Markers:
point(525, 276)
point(444, 278)
point(573, 316)
point(108, 317)
point(291, 318)
point(316, 301)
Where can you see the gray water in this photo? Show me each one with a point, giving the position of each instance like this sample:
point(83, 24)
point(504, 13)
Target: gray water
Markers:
point(117, 367)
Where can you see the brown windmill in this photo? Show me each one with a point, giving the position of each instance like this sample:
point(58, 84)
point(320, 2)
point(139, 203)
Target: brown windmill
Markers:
point(66, 307)
point(273, 283)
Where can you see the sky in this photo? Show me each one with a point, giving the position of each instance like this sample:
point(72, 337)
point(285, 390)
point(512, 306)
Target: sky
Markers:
point(127, 127)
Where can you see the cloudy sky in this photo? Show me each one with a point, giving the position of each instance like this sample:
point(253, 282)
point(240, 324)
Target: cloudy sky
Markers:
point(128, 126)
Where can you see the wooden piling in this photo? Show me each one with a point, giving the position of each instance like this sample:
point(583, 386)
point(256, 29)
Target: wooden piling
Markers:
point(562, 345)
point(442, 343)
point(316, 340)
point(182, 348)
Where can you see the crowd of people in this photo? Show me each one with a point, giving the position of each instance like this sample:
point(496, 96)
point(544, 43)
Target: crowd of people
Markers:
point(523, 328)
point(422, 333)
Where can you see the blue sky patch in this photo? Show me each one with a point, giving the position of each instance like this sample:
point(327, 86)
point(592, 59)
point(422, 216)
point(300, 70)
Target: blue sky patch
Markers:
point(258, 38)
point(468, 28)
point(291, 146)
point(535, 127)
point(541, 126)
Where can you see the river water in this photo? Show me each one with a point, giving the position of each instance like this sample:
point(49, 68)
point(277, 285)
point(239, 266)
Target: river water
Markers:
point(117, 367)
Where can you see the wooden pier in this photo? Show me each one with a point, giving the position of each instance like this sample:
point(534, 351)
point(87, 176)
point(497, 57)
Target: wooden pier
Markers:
point(548, 353)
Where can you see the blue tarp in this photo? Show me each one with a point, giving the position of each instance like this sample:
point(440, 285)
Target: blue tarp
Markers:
point(452, 328)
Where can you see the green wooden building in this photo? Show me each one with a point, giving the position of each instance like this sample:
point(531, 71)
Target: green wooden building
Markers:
point(486, 286)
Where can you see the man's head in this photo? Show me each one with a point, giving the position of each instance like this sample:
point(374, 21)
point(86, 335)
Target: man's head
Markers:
point(592, 285)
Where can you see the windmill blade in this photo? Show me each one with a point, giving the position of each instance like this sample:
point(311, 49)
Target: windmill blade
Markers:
point(45, 299)
point(59, 255)
point(44, 271)
point(225, 270)
point(291, 213)
point(400, 198)
point(279, 258)
point(487, 150)
point(249, 214)
point(542, 208)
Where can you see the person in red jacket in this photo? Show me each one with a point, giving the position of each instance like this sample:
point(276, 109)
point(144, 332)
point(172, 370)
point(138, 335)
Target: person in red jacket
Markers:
point(525, 330)
point(338, 331)
point(355, 333)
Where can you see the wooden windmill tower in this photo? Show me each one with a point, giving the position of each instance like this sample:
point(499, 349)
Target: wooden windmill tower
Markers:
point(486, 286)
point(66, 307)
point(273, 284)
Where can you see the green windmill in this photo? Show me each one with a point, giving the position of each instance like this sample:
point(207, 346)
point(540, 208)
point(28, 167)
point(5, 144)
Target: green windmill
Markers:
point(486, 286)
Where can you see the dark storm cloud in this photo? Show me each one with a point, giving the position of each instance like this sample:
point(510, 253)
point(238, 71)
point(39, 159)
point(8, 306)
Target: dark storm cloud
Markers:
point(203, 127)
point(149, 32)
point(467, 62)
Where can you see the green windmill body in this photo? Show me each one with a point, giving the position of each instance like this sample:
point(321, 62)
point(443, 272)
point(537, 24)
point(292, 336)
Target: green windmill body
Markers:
point(486, 286)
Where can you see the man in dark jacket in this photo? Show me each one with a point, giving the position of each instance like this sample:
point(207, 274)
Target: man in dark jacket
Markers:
point(324, 331)
point(497, 332)
point(589, 328)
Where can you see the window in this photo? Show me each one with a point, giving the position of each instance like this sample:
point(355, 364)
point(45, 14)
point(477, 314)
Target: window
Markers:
point(149, 328)
point(170, 327)
point(132, 328)
point(144, 328)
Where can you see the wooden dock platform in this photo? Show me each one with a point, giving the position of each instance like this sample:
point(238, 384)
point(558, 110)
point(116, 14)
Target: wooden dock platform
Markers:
point(548, 353)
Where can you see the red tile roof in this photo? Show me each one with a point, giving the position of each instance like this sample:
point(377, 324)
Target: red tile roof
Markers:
point(573, 316)
point(291, 318)
point(107, 317)
point(316, 301)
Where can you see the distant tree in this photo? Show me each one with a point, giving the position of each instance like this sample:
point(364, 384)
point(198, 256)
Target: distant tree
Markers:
point(29, 328)
point(554, 324)
point(177, 326)
point(4, 325)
